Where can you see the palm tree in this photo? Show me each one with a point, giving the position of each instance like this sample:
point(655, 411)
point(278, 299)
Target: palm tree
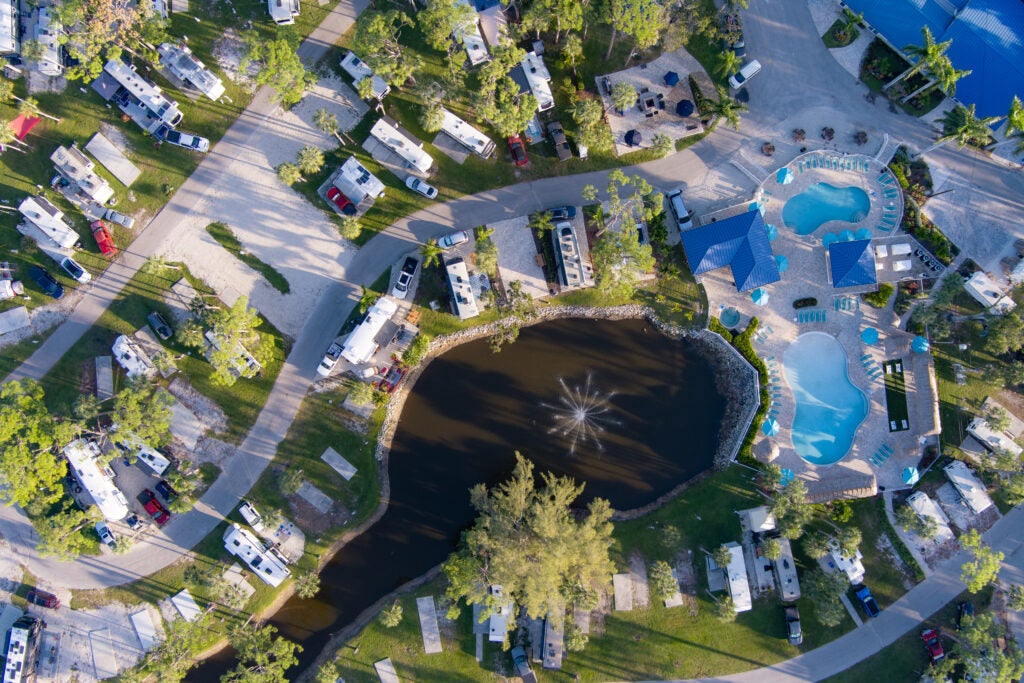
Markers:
point(725, 107)
point(926, 54)
point(8, 139)
point(961, 124)
point(541, 222)
point(728, 64)
point(28, 106)
point(327, 122)
point(943, 75)
point(1014, 126)
point(431, 253)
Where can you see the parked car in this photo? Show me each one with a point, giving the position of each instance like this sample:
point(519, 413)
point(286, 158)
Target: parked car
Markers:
point(75, 270)
point(186, 140)
point(153, 507)
point(104, 240)
point(557, 134)
point(401, 288)
point(562, 213)
point(417, 185)
point(133, 522)
point(166, 490)
point(330, 359)
point(518, 149)
point(46, 282)
point(343, 203)
point(748, 71)
point(522, 665)
point(805, 302)
point(43, 599)
point(250, 515)
point(867, 601)
point(453, 239)
point(933, 645)
point(964, 610)
point(105, 534)
point(679, 210)
point(159, 325)
point(793, 630)
point(120, 218)
point(739, 47)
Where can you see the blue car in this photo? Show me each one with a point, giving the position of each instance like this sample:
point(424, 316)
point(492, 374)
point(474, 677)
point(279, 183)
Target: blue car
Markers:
point(46, 282)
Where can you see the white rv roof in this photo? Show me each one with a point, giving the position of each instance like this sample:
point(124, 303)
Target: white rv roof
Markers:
point(969, 486)
point(358, 70)
point(785, 572)
point(111, 502)
point(8, 27)
point(132, 358)
point(476, 48)
point(465, 134)
point(360, 345)
point(400, 144)
point(539, 78)
point(264, 564)
point(924, 506)
point(739, 586)
point(462, 289)
point(48, 218)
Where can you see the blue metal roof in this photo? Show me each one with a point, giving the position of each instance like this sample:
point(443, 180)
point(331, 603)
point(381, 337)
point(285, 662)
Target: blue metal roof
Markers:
point(740, 242)
point(853, 263)
point(987, 35)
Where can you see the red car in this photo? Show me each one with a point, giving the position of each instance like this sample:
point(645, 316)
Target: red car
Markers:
point(104, 239)
point(932, 644)
point(43, 599)
point(518, 149)
point(343, 203)
point(157, 511)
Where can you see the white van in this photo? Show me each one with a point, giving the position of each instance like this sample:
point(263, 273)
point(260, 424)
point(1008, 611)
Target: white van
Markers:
point(250, 515)
point(749, 70)
point(679, 210)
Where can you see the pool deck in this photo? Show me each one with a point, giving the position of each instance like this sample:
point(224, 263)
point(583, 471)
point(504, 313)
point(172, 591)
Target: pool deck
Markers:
point(841, 313)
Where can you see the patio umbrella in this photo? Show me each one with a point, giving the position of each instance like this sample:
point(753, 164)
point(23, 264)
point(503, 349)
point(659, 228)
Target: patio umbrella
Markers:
point(864, 234)
point(684, 107)
point(760, 296)
point(869, 335)
point(730, 317)
point(829, 238)
point(846, 236)
point(772, 231)
point(784, 176)
point(920, 344)
point(671, 78)
point(770, 427)
point(634, 138)
point(782, 262)
point(787, 477)
point(911, 476)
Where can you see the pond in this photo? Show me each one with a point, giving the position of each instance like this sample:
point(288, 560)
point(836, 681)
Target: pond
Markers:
point(614, 404)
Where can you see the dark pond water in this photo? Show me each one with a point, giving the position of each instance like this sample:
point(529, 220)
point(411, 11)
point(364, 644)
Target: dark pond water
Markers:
point(653, 415)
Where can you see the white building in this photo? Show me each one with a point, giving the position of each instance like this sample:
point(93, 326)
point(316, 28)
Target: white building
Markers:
point(132, 358)
point(98, 483)
point(968, 486)
point(78, 169)
point(22, 650)
point(533, 76)
point(463, 299)
point(143, 101)
point(924, 506)
point(574, 272)
point(9, 18)
point(362, 343)
point(401, 142)
point(358, 70)
point(466, 135)
point(736, 576)
point(283, 12)
point(469, 35)
point(357, 183)
point(47, 34)
point(49, 219)
point(497, 624)
point(184, 65)
point(988, 293)
point(991, 439)
point(269, 565)
point(785, 572)
point(852, 566)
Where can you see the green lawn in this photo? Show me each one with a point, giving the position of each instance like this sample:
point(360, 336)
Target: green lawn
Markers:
point(896, 396)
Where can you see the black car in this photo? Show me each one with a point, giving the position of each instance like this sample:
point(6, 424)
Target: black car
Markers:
point(46, 282)
point(166, 490)
point(794, 633)
point(562, 213)
point(557, 134)
point(159, 325)
point(134, 522)
point(963, 610)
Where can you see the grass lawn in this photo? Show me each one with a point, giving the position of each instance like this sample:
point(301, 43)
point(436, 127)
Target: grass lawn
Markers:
point(837, 29)
point(226, 238)
point(896, 396)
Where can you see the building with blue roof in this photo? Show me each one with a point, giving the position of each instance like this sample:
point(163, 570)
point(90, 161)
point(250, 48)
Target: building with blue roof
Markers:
point(740, 242)
point(987, 35)
point(852, 264)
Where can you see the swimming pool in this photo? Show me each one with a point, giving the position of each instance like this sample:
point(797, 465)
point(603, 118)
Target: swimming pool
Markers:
point(829, 408)
point(821, 203)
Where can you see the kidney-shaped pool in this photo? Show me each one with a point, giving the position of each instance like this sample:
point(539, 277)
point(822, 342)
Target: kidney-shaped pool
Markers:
point(821, 203)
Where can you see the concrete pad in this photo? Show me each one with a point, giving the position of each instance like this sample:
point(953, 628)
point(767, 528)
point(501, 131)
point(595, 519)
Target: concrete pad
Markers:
point(14, 319)
point(386, 671)
point(338, 463)
point(315, 497)
point(113, 159)
point(638, 576)
point(517, 256)
point(49, 651)
point(676, 599)
point(142, 622)
point(428, 624)
point(480, 627)
point(235, 577)
point(104, 377)
point(623, 592)
point(954, 507)
point(185, 426)
point(186, 605)
point(450, 148)
point(181, 295)
point(104, 658)
point(11, 613)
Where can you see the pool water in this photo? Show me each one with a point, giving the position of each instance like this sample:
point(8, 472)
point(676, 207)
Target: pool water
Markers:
point(829, 408)
point(821, 203)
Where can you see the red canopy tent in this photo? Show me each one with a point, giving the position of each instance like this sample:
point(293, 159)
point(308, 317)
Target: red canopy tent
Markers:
point(23, 124)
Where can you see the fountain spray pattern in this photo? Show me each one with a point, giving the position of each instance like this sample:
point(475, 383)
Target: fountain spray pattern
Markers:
point(582, 415)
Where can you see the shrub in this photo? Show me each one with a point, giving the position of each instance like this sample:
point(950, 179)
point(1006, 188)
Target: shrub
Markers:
point(880, 298)
point(718, 328)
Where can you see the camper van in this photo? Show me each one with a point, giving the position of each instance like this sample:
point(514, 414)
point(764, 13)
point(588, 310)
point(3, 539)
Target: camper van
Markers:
point(283, 12)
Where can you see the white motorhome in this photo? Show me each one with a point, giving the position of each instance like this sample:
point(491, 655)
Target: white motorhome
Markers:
point(269, 565)
point(283, 12)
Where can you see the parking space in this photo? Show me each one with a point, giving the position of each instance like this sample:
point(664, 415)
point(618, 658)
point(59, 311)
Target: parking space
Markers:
point(518, 258)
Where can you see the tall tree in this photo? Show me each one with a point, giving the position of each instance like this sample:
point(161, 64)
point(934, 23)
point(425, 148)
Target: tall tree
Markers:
point(351, 227)
point(942, 75)
point(983, 567)
point(431, 253)
point(142, 409)
point(923, 56)
point(172, 657)
point(432, 117)
point(624, 95)
point(310, 159)
point(791, 510)
point(443, 19)
point(507, 108)
point(233, 328)
point(825, 592)
point(279, 67)
point(663, 581)
point(620, 261)
point(519, 309)
point(527, 540)
point(816, 545)
point(377, 41)
point(642, 20)
point(263, 656)
point(728, 63)
point(328, 123)
point(725, 108)
point(592, 131)
point(1005, 334)
point(60, 533)
point(542, 223)
point(982, 660)
point(849, 539)
point(962, 124)
point(572, 52)
point(27, 105)
point(307, 585)
point(98, 30)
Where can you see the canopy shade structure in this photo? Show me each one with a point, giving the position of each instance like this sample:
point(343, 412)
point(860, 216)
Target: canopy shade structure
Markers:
point(634, 138)
point(770, 427)
point(852, 263)
point(869, 335)
point(760, 296)
point(784, 176)
point(671, 78)
point(740, 242)
point(684, 107)
point(920, 344)
point(846, 236)
point(911, 476)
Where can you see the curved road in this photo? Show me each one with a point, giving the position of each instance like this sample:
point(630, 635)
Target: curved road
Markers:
point(800, 86)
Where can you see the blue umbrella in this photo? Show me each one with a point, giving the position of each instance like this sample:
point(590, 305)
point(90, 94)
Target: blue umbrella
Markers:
point(760, 296)
point(782, 262)
point(770, 427)
point(911, 476)
point(846, 236)
point(671, 78)
point(869, 335)
point(864, 234)
point(772, 231)
point(634, 138)
point(829, 238)
point(684, 107)
point(784, 176)
point(756, 206)
point(920, 344)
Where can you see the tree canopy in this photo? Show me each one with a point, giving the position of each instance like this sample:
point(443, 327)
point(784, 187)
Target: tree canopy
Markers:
point(825, 592)
point(99, 30)
point(376, 41)
point(792, 513)
point(263, 657)
point(279, 67)
point(983, 568)
point(443, 18)
point(528, 540)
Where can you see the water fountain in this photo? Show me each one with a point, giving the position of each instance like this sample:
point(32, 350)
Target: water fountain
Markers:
point(582, 414)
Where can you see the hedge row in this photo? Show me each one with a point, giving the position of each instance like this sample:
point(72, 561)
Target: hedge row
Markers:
point(741, 342)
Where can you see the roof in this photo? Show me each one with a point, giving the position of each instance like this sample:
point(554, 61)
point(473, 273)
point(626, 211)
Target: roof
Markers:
point(573, 270)
point(785, 572)
point(740, 242)
point(47, 33)
point(969, 486)
point(986, 37)
point(71, 163)
point(995, 441)
point(469, 35)
point(736, 573)
point(760, 519)
point(852, 263)
point(22, 650)
point(264, 564)
point(988, 293)
point(852, 566)
point(132, 358)
point(109, 500)
point(402, 143)
point(361, 344)
point(180, 61)
point(48, 218)
point(356, 182)
point(148, 94)
point(463, 298)
point(465, 134)
point(924, 506)
point(8, 26)
point(532, 76)
point(358, 70)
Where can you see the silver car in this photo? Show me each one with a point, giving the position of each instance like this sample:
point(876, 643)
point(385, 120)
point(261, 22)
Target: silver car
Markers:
point(120, 218)
point(417, 185)
point(75, 270)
